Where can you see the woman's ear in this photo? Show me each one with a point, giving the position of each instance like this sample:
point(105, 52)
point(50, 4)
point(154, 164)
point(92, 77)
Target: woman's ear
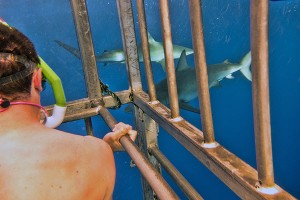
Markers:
point(37, 79)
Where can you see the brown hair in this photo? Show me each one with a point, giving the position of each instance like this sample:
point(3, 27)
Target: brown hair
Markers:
point(15, 42)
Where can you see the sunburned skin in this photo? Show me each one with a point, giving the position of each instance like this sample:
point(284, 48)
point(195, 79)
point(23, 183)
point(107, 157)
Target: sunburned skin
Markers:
point(37, 162)
point(41, 163)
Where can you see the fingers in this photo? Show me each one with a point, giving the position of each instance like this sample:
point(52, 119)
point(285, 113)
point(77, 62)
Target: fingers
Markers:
point(120, 129)
point(132, 134)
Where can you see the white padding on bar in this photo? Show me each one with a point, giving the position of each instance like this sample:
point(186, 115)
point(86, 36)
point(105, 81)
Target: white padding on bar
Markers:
point(57, 117)
point(269, 190)
point(153, 102)
point(210, 145)
point(176, 119)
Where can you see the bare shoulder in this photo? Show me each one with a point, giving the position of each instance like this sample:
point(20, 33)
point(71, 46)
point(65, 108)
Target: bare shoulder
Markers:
point(93, 159)
point(89, 146)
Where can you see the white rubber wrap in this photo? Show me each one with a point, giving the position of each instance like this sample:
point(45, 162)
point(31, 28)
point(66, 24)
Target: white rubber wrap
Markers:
point(57, 117)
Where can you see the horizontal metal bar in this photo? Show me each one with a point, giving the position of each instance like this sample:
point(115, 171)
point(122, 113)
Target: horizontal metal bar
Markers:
point(234, 172)
point(84, 108)
point(183, 184)
point(154, 178)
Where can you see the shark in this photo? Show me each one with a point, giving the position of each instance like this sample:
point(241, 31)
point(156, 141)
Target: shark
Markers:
point(118, 56)
point(187, 83)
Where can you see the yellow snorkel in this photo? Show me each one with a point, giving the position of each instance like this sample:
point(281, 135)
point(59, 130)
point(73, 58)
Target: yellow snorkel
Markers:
point(59, 108)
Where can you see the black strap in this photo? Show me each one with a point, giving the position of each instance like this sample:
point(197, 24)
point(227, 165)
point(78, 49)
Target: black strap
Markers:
point(29, 68)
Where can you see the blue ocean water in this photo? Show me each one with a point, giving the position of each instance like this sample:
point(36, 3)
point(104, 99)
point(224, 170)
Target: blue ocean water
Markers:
point(227, 36)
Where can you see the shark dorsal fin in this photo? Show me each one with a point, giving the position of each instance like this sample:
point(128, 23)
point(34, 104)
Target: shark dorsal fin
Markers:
point(226, 61)
point(182, 63)
point(151, 39)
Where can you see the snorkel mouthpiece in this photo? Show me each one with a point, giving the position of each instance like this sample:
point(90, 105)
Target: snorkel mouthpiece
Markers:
point(57, 117)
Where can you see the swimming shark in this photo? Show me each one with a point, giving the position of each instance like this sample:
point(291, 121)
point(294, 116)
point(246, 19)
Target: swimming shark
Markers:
point(187, 83)
point(117, 56)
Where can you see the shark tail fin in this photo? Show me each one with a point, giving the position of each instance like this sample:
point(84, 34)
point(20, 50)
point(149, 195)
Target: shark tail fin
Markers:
point(245, 66)
point(247, 73)
point(70, 49)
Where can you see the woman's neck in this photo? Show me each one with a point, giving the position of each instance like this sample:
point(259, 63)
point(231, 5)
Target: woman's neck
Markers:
point(19, 116)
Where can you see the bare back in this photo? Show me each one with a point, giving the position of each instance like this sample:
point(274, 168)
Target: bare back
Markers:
point(41, 163)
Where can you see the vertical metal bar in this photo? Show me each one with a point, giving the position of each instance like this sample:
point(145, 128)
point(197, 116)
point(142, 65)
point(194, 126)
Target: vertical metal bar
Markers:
point(148, 131)
point(130, 47)
point(88, 126)
point(169, 58)
point(84, 36)
point(184, 185)
point(260, 89)
point(145, 48)
point(129, 43)
point(154, 178)
point(85, 41)
point(201, 70)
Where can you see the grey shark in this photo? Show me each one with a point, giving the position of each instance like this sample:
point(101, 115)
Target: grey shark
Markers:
point(117, 56)
point(187, 84)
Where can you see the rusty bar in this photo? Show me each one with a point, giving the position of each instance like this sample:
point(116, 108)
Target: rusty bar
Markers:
point(84, 36)
point(154, 178)
point(82, 108)
point(169, 58)
point(133, 68)
point(148, 131)
point(145, 48)
point(201, 70)
point(129, 43)
point(260, 90)
point(88, 126)
point(183, 184)
point(239, 176)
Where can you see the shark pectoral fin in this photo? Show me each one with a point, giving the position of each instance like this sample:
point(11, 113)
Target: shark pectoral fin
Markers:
point(247, 73)
point(163, 64)
point(230, 76)
point(216, 84)
point(188, 107)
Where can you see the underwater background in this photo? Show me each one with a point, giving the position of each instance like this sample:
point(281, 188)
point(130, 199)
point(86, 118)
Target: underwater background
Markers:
point(227, 36)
